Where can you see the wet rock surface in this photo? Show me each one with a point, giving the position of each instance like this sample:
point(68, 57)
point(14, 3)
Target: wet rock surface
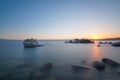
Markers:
point(46, 67)
point(110, 62)
point(118, 73)
point(99, 65)
point(79, 68)
point(48, 71)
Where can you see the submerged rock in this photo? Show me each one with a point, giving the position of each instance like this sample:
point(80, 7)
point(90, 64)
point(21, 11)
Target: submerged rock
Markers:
point(77, 68)
point(46, 67)
point(98, 65)
point(118, 73)
point(110, 62)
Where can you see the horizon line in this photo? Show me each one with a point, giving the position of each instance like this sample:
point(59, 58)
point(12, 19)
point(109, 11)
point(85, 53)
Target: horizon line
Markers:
point(65, 39)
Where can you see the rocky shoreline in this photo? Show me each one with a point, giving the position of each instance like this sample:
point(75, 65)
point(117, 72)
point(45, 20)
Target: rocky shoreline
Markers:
point(44, 71)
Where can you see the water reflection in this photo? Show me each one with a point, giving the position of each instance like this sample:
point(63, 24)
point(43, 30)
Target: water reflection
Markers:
point(96, 53)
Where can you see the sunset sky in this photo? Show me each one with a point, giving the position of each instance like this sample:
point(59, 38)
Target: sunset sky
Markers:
point(59, 19)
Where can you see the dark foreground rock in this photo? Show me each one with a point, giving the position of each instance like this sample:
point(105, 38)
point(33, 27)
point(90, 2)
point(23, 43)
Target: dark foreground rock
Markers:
point(110, 62)
point(78, 68)
point(99, 65)
point(46, 67)
point(118, 73)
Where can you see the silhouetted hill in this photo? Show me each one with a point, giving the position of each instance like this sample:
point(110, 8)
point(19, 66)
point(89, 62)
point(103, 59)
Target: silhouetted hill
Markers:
point(110, 39)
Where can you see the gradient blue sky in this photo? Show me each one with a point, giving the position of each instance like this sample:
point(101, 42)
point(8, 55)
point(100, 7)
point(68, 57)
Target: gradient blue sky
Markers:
point(59, 19)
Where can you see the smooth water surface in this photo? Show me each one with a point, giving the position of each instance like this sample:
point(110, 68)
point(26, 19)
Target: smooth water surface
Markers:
point(19, 63)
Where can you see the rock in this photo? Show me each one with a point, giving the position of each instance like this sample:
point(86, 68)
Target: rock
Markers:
point(98, 45)
point(109, 42)
point(118, 73)
point(110, 62)
point(46, 67)
point(77, 68)
point(81, 41)
point(116, 44)
point(102, 42)
point(99, 65)
point(30, 43)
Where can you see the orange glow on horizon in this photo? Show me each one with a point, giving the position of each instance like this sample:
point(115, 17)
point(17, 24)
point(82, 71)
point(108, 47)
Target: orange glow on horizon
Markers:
point(95, 37)
point(60, 37)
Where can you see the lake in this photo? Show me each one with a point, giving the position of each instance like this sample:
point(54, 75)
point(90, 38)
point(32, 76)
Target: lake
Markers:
point(19, 63)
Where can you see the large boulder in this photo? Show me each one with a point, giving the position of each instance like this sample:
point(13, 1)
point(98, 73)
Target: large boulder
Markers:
point(99, 65)
point(110, 62)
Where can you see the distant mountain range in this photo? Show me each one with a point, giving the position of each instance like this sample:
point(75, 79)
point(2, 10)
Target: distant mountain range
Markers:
point(3, 39)
point(118, 38)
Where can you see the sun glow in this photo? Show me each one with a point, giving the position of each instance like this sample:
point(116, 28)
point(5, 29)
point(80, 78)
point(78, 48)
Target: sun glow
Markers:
point(95, 37)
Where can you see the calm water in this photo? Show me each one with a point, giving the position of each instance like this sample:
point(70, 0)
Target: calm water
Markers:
point(19, 63)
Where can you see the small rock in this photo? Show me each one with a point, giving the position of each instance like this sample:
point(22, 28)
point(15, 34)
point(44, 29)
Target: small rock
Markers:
point(118, 73)
point(98, 45)
point(77, 68)
point(110, 62)
point(98, 65)
point(46, 67)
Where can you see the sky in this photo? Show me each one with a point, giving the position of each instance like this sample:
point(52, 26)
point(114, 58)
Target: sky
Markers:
point(59, 19)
